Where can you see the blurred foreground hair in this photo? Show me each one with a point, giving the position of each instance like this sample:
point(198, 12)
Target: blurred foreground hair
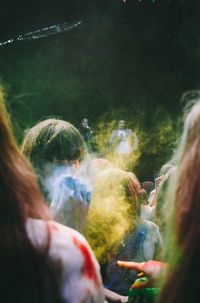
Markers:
point(26, 273)
point(182, 282)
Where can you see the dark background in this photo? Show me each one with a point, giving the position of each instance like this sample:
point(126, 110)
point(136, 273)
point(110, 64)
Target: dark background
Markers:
point(128, 61)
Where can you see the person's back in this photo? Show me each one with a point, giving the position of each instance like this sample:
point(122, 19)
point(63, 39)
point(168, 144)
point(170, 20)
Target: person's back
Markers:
point(138, 246)
point(34, 251)
point(56, 148)
point(114, 229)
point(80, 280)
point(184, 192)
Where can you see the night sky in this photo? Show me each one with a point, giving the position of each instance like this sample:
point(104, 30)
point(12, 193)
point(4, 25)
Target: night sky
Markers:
point(22, 16)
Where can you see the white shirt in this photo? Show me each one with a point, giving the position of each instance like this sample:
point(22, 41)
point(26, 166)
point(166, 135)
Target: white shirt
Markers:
point(81, 280)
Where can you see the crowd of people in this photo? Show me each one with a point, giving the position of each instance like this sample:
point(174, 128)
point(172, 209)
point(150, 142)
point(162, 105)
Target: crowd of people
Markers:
point(76, 228)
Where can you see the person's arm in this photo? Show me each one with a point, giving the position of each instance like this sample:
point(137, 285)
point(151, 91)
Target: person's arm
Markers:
point(113, 297)
point(70, 202)
point(153, 198)
point(150, 269)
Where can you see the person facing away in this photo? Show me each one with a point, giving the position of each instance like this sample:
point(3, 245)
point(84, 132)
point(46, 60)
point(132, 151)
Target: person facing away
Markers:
point(178, 280)
point(57, 145)
point(56, 149)
point(184, 192)
point(123, 140)
point(41, 261)
point(114, 228)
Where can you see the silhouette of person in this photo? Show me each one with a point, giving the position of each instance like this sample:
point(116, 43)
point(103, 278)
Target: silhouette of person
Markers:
point(87, 134)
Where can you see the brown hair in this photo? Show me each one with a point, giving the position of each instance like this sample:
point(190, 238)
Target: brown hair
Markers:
point(53, 139)
point(182, 283)
point(26, 273)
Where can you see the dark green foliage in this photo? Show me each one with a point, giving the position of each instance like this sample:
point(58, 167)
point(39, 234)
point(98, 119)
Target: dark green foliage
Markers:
point(104, 66)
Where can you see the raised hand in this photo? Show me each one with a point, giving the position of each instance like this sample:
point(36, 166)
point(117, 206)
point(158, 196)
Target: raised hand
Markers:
point(150, 269)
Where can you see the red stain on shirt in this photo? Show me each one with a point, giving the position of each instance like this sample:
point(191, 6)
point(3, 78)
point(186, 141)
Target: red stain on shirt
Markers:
point(88, 267)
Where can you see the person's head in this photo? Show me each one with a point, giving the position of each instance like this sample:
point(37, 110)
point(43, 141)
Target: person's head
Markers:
point(84, 123)
point(187, 195)
point(186, 214)
point(25, 272)
point(113, 211)
point(52, 145)
point(121, 124)
point(53, 140)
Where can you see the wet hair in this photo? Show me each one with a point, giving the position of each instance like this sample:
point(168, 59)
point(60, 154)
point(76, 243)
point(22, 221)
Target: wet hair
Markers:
point(27, 275)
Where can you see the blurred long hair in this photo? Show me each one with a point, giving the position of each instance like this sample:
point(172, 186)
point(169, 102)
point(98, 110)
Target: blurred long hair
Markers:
point(182, 282)
point(26, 273)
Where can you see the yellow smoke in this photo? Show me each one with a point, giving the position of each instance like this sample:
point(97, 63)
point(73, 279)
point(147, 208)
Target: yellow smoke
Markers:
point(157, 132)
point(110, 216)
point(103, 134)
